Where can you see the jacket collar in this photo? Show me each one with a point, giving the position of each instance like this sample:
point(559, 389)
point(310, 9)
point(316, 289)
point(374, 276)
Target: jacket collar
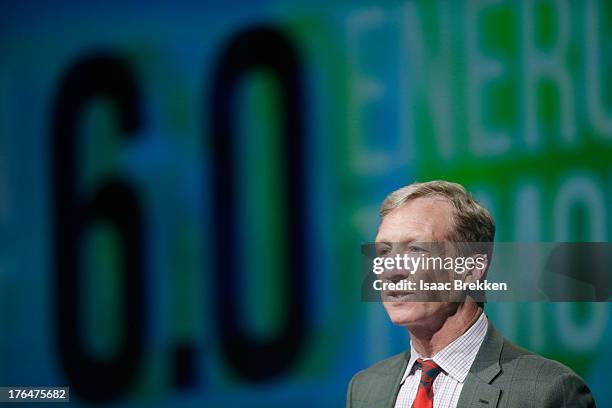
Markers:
point(486, 365)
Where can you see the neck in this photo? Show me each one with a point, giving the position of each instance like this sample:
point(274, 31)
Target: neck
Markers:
point(429, 338)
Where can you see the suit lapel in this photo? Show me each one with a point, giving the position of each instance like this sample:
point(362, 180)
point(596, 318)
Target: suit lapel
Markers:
point(382, 388)
point(386, 384)
point(477, 390)
point(396, 374)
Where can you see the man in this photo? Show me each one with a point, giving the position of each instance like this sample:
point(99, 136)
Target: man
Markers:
point(457, 358)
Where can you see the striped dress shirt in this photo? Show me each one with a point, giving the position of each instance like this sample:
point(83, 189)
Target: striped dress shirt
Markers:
point(455, 360)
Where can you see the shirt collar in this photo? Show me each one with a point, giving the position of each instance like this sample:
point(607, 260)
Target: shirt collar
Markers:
point(457, 357)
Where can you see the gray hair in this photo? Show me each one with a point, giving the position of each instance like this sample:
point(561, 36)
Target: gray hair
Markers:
point(470, 221)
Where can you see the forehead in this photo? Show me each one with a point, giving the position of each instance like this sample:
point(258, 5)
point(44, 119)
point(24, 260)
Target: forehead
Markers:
point(424, 219)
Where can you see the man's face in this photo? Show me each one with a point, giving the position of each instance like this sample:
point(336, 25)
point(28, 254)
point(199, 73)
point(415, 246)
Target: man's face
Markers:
point(424, 220)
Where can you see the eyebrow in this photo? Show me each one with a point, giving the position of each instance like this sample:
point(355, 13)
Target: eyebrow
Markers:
point(403, 241)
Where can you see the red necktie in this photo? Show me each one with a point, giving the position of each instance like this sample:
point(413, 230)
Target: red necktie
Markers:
point(429, 371)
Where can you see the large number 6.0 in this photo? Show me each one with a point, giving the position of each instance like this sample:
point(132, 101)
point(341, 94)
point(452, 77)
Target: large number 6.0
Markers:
point(115, 203)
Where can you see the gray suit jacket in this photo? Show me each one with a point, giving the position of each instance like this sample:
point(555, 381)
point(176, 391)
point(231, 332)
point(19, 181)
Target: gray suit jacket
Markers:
point(502, 375)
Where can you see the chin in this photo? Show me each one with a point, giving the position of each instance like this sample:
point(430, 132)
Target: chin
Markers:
point(405, 313)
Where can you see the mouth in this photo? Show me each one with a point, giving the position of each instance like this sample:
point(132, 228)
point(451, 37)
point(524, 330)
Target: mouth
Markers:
point(398, 296)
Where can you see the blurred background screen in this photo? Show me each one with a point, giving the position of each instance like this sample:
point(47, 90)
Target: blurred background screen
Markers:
point(184, 188)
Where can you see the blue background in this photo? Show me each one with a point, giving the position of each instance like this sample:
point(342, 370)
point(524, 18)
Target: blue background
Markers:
point(511, 99)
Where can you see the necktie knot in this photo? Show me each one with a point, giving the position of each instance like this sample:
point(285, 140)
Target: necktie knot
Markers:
point(429, 370)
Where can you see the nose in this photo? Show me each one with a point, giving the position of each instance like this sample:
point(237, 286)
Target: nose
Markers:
point(397, 272)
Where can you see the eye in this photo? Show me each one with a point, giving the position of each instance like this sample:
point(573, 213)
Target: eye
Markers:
point(382, 249)
point(416, 248)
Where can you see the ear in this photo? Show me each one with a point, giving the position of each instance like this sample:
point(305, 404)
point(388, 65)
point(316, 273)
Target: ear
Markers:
point(478, 270)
